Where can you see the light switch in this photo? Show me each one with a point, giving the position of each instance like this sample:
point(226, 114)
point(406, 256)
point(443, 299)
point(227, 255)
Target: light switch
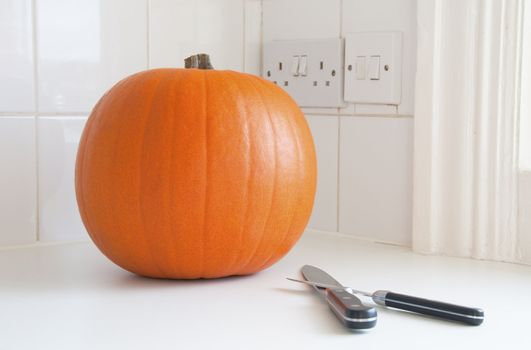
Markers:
point(374, 67)
point(303, 66)
point(360, 67)
point(295, 62)
point(381, 82)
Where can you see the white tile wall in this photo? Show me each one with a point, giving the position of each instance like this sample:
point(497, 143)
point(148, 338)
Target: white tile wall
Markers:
point(84, 47)
point(180, 28)
point(301, 19)
point(376, 178)
point(16, 56)
point(325, 132)
point(524, 214)
point(58, 139)
point(18, 178)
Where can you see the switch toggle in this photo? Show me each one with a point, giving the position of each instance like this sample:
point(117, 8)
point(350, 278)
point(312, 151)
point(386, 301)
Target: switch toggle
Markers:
point(295, 66)
point(374, 68)
point(303, 66)
point(360, 68)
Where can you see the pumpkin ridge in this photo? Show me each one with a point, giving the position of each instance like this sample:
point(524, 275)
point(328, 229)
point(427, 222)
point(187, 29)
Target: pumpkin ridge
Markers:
point(150, 248)
point(205, 200)
point(275, 182)
point(91, 122)
point(139, 207)
point(294, 212)
point(94, 124)
point(173, 236)
point(80, 164)
point(237, 255)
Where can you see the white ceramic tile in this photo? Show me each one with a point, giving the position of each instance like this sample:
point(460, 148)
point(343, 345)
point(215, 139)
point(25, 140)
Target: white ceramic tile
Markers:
point(253, 37)
point(382, 15)
point(524, 214)
point(325, 135)
point(524, 152)
point(16, 57)
point(301, 19)
point(375, 177)
point(180, 28)
point(86, 46)
point(58, 139)
point(18, 180)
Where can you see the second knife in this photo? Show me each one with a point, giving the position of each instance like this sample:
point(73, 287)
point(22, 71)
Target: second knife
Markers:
point(346, 306)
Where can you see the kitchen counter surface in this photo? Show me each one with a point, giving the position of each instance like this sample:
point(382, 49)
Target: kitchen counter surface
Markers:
point(71, 297)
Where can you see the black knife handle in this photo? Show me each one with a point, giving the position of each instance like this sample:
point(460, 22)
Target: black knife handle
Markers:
point(468, 315)
point(350, 310)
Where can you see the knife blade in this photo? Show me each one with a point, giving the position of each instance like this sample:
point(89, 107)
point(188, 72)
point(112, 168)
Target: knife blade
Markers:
point(347, 307)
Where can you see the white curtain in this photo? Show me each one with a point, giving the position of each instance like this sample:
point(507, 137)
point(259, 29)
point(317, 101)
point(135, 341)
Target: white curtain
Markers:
point(466, 128)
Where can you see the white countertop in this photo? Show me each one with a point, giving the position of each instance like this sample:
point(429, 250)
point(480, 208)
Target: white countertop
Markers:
point(71, 297)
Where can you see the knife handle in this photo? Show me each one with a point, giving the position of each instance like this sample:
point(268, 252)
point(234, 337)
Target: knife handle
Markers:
point(350, 310)
point(468, 315)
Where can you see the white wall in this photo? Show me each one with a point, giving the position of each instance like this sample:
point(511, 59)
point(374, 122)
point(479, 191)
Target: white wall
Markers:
point(58, 56)
point(364, 151)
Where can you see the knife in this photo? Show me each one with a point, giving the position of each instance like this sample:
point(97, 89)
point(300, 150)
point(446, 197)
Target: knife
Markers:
point(346, 306)
point(469, 315)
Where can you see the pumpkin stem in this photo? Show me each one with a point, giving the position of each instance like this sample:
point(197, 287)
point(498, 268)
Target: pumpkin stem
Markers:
point(200, 60)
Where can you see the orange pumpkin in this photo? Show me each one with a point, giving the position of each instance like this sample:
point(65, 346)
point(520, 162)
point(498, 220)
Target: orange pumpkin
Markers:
point(194, 173)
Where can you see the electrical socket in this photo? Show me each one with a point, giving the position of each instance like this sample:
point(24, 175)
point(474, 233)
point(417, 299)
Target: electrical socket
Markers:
point(311, 71)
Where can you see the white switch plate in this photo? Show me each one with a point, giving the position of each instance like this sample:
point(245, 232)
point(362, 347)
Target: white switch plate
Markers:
point(388, 88)
point(322, 85)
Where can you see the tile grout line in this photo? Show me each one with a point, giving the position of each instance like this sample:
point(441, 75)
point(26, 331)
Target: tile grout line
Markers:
point(148, 33)
point(244, 36)
point(45, 114)
point(341, 34)
point(42, 244)
point(338, 191)
point(363, 115)
point(35, 116)
point(261, 46)
point(338, 110)
point(355, 237)
point(306, 112)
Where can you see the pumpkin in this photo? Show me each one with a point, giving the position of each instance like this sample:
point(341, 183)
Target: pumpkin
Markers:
point(195, 173)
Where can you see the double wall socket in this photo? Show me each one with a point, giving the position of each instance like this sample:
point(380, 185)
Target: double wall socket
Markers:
point(311, 71)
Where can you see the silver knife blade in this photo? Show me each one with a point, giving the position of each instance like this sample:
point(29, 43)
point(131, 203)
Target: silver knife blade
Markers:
point(324, 285)
point(315, 274)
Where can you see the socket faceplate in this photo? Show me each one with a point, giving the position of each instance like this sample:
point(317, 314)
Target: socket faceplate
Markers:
point(311, 71)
